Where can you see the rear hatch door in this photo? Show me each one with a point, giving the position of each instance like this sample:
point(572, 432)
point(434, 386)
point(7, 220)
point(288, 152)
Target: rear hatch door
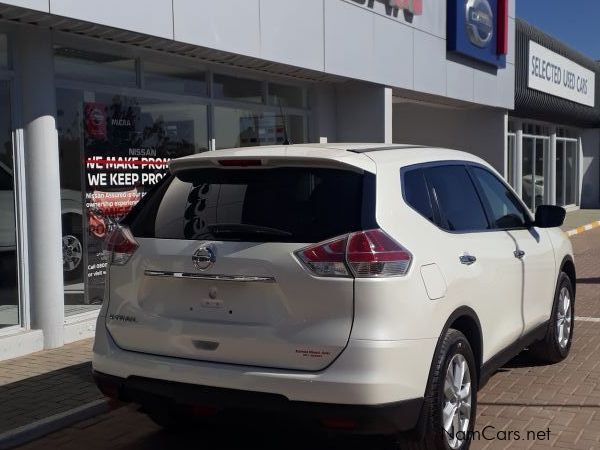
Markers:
point(215, 277)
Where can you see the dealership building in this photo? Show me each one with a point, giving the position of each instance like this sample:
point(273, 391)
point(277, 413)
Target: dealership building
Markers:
point(97, 97)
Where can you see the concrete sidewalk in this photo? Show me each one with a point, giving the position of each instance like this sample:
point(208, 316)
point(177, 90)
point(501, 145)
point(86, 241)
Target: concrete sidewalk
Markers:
point(42, 392)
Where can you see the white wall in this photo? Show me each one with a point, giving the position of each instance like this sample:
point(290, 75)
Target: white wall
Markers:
point(590, 169)
point(357, 39)
point(475, 130)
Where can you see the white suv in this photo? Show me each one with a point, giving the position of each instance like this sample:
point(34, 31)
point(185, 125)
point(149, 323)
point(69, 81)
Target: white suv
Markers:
point(366, 288)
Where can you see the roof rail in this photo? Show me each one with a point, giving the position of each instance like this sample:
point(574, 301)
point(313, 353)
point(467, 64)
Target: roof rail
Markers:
point(378, 149)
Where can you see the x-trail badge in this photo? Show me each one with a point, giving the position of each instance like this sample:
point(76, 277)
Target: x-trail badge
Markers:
point(204, 257)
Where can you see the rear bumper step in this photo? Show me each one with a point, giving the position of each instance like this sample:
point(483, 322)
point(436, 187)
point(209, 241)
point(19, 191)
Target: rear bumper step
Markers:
point(373, 419)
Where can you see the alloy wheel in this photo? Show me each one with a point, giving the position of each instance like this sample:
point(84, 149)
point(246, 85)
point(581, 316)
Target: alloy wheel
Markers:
point(564, 318)
point(456, 414)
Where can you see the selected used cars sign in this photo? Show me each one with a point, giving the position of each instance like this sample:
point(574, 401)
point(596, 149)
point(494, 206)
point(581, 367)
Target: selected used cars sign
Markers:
point(556, 75)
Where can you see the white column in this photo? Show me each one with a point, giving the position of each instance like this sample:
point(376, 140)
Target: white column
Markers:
point(363, 113)
point(579, 163)
point(506, 169)
point(388, 116)
point(34, 64)
point(518, 162)
point(551, 168)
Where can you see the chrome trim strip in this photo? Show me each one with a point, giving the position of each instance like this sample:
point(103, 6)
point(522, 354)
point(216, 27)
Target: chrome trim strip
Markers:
point(203, 276)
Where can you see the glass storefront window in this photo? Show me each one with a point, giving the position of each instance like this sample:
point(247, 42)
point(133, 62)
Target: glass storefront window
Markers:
point(566, 171)
point(84, 65)
point(9, 292)
point(4, 62)
point(70, 129)
point(528, 172)
point(239, 89)
point(511, 151)
point(534, 177)
point(571, 173)
point(286, 95)
point(242, 128)
point(124, 144)
point(174, 79)
point(540, 173)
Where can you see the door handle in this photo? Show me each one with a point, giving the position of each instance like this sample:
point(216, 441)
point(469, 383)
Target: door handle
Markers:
point(467, 260)
point(519, 254)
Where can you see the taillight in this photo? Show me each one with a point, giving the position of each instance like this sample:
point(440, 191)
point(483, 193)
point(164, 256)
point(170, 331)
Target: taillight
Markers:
point(374, 254)
point(120, 246)
point(364, 254)
point(327, 258)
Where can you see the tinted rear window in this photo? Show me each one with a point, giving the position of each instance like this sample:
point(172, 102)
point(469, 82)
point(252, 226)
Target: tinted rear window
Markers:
point(417, 194)
point(256, 205)
point(459, 204)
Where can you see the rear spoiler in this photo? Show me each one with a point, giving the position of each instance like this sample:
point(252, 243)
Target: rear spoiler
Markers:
point(263, 162)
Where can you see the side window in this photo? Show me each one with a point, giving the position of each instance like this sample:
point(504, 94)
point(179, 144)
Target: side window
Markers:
point(416, 193)
point(458, 201)
point(506, 210)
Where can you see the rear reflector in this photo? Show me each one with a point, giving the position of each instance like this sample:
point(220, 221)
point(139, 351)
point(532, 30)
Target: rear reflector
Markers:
point(327, 258)
point(120, 246)
point(364, 254)
point(240, 162)
point(339, 424)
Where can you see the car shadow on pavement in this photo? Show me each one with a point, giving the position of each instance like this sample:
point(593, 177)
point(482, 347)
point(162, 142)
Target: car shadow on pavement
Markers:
point(38, 397)
point(523, 359)
point(269, 434)
point(591, 280)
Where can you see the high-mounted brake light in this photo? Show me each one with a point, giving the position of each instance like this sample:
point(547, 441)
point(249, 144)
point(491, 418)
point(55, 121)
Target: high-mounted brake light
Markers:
point(120, 246)
point(364, 254)
point(240, 162)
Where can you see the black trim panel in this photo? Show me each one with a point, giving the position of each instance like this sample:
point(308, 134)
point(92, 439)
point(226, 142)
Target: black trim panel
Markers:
point(500, 359)
point(377, 419)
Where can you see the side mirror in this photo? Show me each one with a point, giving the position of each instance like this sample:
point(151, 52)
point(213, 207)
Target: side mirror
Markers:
point(547, 216)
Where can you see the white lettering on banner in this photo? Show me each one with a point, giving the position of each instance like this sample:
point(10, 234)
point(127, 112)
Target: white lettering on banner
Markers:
point(556, 75)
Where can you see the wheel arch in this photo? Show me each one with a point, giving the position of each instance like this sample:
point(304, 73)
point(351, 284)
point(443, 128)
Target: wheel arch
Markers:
point(568, 266)
point(465, 320)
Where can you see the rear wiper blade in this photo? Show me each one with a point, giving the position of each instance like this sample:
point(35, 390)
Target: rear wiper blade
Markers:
point(224, 228)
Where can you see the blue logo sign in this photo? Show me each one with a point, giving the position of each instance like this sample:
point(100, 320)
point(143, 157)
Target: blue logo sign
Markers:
point(475, 30)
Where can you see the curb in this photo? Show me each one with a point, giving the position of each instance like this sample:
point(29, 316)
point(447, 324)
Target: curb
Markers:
point(584, 228)
point(36, 430)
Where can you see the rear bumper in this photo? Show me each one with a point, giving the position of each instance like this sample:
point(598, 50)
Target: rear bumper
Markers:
point(385, 419)
point(376, 378)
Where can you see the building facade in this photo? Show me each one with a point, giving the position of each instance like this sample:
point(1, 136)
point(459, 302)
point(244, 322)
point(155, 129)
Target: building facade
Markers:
point(553, 138)
point(97, 97)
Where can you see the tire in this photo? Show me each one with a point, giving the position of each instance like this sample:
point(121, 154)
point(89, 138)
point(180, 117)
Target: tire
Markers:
point(556, 345)
point(72, 245)
point(454, 348)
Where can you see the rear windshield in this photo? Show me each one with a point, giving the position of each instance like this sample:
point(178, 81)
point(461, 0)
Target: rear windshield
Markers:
point(257, 205)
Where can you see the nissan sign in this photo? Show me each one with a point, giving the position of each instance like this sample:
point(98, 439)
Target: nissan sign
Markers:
point(480, 22)
point(478, 30)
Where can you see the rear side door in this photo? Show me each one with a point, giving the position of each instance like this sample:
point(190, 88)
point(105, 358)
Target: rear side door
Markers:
point(484, 272)
point(533, 250)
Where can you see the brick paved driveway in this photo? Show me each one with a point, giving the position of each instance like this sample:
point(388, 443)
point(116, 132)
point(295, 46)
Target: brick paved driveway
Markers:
point(44, 384)
point(564, 398)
